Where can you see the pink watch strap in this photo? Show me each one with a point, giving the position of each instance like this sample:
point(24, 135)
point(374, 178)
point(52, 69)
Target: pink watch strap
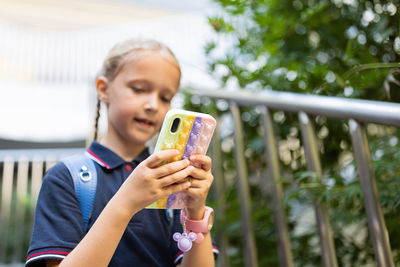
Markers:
point(197, 226)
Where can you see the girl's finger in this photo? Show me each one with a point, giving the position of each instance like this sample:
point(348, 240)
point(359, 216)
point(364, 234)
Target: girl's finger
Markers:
point(200, 183)
point(176, 177)
point(172, 167)
point(194, 191)
point(199, 174)
point(194, 183)
point(202, 161)
point(175, 188)
point(157, 158)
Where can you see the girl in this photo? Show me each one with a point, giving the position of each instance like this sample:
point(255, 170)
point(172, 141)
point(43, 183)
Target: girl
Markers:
point(138, 81)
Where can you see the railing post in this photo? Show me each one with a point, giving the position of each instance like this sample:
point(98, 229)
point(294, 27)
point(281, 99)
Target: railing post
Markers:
point(37, 175)
point(321, 209)
point(20, 210)
point(244, 192)
point(5, 212)
point(223, 259)
point(376, 222)
point(271, 155)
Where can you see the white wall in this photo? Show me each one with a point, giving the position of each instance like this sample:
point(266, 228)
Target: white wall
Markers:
point(46, 75)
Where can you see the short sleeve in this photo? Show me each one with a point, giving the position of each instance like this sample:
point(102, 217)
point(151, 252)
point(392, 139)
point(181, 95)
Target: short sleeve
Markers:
point(176, 226)
point(58, 224)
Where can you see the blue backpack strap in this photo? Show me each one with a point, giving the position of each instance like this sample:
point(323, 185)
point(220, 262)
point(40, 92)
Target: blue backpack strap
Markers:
point(84, 175)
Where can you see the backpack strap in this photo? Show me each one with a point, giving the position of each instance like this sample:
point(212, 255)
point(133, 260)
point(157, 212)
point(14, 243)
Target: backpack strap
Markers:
point(84, 175)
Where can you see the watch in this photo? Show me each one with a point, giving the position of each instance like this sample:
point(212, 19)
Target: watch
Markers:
point(198, 226)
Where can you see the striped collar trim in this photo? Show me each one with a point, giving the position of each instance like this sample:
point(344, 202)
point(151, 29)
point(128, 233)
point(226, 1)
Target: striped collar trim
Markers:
point(93, 156)
point(108, 159)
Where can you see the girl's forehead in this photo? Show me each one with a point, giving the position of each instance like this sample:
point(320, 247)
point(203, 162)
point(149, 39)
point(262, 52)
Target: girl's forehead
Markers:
point(139, 54)
point(151, 65)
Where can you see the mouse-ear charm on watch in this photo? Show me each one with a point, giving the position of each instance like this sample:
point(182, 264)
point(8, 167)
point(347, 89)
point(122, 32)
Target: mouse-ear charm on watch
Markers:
point(197, 227)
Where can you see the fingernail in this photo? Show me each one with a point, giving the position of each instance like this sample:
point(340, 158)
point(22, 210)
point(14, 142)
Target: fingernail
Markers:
point(188, 184)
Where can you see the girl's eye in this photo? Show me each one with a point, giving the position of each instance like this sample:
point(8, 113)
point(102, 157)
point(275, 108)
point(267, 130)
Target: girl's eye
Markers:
point(166, 99)
point(138, 90)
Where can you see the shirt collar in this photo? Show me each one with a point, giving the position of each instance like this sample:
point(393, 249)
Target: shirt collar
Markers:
point(108, 158)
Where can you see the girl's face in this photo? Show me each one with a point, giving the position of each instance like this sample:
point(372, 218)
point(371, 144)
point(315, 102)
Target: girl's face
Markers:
point(140, 95)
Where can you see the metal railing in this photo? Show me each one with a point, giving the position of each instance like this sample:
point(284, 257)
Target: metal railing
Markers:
point(23, 170)
point(21, 176)
point(357, 113)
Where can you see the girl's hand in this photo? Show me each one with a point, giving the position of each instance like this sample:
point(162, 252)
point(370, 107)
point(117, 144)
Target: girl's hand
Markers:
point(201, 180)
point(151, 181)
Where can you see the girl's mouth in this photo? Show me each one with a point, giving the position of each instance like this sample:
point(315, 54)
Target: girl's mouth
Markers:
point(145, 122)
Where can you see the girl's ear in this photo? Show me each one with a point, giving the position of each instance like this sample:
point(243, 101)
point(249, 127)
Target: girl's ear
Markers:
point(102, 89)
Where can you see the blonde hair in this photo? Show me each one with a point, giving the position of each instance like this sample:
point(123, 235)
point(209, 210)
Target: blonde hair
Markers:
point(122, 52)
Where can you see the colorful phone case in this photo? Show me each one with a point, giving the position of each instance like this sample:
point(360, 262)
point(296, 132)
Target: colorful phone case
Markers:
point(192, 136)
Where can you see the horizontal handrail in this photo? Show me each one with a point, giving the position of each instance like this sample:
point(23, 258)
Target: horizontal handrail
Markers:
point(37, 154)
point(386, 113)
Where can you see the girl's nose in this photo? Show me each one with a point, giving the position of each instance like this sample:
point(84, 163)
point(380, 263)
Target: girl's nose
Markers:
point(152, 103)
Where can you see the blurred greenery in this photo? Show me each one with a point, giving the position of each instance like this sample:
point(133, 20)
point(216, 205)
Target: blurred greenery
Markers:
point(15, 227)
point(344, 48)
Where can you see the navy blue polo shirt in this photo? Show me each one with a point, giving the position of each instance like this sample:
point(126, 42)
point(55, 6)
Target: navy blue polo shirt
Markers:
point(58, 225)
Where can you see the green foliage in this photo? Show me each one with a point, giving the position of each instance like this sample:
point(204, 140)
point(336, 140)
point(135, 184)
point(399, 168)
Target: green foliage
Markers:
point(15, 229)
point(305, 46)
point(334, 48)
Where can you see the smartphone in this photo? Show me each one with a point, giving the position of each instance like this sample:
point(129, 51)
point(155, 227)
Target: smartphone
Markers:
point(190, 133)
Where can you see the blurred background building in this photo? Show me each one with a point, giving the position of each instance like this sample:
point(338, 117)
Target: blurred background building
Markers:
point(51, 50)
